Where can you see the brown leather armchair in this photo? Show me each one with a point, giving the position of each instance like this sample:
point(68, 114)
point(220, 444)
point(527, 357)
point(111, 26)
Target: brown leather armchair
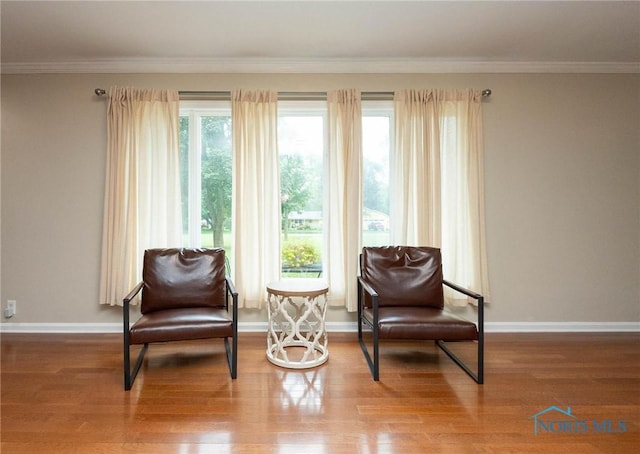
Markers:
point(400, 296)
point(186, 295)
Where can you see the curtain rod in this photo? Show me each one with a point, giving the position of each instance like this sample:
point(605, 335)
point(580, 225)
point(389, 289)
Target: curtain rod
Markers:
point(282, 95)
point(366, 95)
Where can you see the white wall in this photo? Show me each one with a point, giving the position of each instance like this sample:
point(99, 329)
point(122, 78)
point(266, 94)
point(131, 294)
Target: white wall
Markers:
point(562, 198)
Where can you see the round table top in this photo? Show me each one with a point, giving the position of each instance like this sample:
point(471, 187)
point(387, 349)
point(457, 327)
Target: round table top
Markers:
point(298, 287)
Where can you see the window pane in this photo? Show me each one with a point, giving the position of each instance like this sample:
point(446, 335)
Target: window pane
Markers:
point(375, 148)
point(301, 148)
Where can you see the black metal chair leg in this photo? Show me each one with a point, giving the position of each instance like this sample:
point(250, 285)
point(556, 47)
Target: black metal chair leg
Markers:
point(477, 377)
point(232, 356)
point(129, 378)
point(373, 363)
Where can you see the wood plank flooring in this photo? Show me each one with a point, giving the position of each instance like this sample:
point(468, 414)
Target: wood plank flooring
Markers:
point(63, 393)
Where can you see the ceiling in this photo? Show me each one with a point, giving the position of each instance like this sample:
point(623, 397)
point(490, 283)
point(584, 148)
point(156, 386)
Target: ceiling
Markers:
point(320, 36)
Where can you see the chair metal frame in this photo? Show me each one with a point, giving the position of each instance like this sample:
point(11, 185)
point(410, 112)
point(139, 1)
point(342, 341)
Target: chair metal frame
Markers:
point(231, 351)
point(374, 364)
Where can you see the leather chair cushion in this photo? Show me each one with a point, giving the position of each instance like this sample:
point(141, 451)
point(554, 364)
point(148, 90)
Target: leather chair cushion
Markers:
point(181, 324)
point(175, 278)
point(404, 276)
point(421, 323)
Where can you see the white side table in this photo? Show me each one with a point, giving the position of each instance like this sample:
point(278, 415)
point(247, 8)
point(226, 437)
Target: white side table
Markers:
point(297, 309)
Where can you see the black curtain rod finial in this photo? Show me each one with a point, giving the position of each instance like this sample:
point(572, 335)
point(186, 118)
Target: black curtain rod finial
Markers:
point(486, 93)
point(100, 91)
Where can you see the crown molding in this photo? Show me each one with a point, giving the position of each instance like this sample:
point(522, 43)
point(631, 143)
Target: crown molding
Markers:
point(313, 66)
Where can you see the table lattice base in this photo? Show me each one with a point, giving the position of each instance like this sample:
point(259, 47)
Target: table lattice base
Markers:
point(297, 338)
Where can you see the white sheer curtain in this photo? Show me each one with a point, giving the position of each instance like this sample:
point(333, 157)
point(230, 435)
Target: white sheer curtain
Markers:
point(438, 184)
point(256, 189)
point(142, 188)
point(344, 162)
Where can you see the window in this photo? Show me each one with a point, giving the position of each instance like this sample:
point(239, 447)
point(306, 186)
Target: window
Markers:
point(376, 147)
point(301, 146)
point(206, 177)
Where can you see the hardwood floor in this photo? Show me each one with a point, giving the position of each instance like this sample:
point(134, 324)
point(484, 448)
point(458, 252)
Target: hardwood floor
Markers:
point(64, 394)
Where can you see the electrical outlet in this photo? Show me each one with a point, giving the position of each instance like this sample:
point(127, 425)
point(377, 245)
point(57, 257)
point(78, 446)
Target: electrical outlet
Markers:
point(10, 311)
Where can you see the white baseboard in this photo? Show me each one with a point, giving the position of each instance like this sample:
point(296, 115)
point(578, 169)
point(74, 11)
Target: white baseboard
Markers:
point(43, 328)
point(562, 327)
point(340, 327)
